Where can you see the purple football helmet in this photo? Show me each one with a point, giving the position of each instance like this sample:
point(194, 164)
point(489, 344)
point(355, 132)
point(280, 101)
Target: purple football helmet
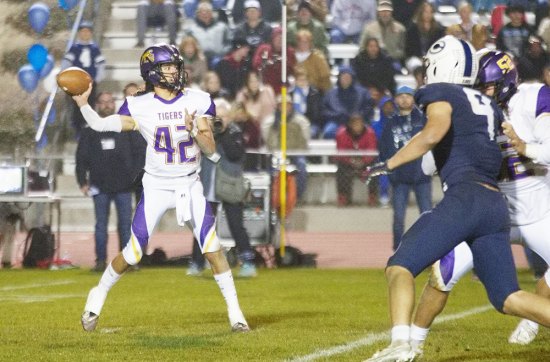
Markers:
point(151, 61)
point(497, 68)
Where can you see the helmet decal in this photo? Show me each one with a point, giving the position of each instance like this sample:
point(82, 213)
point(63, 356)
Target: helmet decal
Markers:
point(148, 56)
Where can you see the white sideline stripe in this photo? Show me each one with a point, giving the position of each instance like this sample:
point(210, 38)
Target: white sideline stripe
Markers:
point(372, 338)
point(37, 298)
point(36, 285)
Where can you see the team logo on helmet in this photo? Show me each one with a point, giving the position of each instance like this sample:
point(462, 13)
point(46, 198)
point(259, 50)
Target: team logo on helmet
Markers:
point(506, 64)
point(148, 57)
point(437, 47)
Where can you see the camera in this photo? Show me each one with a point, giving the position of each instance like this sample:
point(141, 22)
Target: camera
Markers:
point(217, 126)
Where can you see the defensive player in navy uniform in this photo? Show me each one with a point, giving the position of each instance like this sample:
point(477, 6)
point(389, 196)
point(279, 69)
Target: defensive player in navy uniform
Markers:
point(174, 122)
point(461, 130)
point(524, 179)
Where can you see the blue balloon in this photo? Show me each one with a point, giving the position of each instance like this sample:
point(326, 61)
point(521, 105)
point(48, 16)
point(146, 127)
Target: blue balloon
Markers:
point(28, 78)
point(37, 56)
point(47, 68)
point(67, 4)
point(39, 14)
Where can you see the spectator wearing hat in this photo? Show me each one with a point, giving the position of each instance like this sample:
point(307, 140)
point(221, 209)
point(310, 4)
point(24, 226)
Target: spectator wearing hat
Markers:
point(253, 28)
point(267, 60)
point(213, 36)
point(530, 66)
point(156, 13)
point(389, 32)
point(271, 9)
point(348, 17)
point(513, 37)
point(372, 67)
point(234, 66)
point(347, 97)
point(398, 130)
point(305, 21)
point(85, 54)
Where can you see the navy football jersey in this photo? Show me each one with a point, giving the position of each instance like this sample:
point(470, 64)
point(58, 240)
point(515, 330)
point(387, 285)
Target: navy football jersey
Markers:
point(469, 151)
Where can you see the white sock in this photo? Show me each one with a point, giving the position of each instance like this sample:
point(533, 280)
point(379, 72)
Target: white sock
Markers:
point(108, 279)
point(532, 324)
point(400, 333)
point(418, 334)
point(227, 287)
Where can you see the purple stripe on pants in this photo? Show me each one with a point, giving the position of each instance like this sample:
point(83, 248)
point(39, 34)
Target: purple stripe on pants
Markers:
point(446, 266)
point(139, 224)
point(207, 223)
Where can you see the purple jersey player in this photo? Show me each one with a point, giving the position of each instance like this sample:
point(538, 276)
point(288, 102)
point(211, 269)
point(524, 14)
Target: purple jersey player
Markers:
point(173, 120)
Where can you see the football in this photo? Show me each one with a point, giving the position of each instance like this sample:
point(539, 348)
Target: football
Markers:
point(74, 80)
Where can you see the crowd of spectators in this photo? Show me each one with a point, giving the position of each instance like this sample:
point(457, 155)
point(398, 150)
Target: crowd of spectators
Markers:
point(233, 50)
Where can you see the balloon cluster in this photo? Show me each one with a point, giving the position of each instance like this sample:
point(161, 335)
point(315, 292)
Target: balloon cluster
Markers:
point(40, 62)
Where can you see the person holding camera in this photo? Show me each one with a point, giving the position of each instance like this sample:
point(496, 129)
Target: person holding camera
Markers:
point(231, 153)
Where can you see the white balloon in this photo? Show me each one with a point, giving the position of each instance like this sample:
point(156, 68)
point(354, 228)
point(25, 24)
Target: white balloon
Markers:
point(50, 82)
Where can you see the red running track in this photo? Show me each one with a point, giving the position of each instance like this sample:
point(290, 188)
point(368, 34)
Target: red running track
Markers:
point(333, 249)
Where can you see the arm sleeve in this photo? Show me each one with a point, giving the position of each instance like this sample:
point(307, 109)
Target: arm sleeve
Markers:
point(110, 123)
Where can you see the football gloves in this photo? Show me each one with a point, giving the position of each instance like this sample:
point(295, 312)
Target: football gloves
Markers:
point(375, 170)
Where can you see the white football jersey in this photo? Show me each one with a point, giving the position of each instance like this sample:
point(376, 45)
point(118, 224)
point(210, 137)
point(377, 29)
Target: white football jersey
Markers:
point(171, 151)
point(527, 187)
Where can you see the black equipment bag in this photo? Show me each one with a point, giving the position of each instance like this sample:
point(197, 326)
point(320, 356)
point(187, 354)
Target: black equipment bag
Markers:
point(39, 247)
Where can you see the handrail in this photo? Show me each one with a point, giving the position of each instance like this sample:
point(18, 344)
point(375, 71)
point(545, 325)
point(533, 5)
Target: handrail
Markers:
point(49, 105)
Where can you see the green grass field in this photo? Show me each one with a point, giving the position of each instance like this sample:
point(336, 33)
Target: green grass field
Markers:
point(160, 314)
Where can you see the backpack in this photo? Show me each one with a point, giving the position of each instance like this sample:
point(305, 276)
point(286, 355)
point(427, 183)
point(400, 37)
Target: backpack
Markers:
point(39, 247)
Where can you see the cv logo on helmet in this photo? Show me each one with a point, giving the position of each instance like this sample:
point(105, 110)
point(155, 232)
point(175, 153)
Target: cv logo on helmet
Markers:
point(148, 57)
point(437, 47)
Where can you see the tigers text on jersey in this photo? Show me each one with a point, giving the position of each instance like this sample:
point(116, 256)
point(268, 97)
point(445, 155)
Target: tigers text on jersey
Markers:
point(171, 151)
point(468, 152)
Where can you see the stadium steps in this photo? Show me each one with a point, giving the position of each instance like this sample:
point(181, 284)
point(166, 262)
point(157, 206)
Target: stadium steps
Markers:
point(118, 47)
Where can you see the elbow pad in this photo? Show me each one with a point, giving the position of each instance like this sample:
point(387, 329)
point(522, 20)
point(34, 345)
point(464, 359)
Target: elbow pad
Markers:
point(111, 123)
